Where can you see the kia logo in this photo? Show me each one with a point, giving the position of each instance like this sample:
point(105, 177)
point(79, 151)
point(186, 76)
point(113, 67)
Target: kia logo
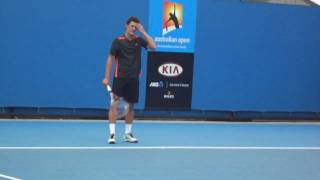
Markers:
point(170, 69)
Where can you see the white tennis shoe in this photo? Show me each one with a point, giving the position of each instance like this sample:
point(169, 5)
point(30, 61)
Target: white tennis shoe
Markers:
point(130, 138)
point(112, 139)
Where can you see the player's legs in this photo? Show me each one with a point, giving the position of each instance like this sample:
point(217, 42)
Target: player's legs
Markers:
point(128, 88)
point(112, 125)
point(112, 114)
point(128, 136)
point(131, 95)
point(117, 86)
point(130, 115)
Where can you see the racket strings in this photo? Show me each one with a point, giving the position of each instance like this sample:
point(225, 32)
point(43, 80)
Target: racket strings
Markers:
point(120, 106)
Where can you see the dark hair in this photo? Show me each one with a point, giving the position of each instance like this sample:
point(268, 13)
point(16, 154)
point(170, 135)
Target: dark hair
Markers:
point(134, 19)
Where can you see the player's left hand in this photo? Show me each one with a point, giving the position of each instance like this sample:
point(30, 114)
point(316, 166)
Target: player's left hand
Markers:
point(140, 27)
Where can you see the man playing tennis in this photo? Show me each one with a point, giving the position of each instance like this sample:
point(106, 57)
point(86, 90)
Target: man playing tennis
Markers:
point(126, 52)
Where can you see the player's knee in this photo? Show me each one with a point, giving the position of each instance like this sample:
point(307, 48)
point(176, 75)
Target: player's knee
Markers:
point(130, 107)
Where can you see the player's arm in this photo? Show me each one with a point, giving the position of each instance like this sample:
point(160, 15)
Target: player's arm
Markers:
point(106, 79)
point(151, 44)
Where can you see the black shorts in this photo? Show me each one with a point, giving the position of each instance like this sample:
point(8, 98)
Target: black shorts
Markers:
point(128, 88)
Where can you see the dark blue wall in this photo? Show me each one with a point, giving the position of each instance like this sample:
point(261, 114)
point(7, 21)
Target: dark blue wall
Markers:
point(248, 56)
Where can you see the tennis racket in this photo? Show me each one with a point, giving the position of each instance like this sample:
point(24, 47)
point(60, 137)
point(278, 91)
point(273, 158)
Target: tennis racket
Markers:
point(118, 104)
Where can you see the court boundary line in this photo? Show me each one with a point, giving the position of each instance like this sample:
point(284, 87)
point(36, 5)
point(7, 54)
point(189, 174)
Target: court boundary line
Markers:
point(9, 177)
point(159, 148)
point(150, 121)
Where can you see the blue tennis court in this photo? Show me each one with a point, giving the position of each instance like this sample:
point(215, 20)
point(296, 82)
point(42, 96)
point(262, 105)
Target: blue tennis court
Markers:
point(74, 149)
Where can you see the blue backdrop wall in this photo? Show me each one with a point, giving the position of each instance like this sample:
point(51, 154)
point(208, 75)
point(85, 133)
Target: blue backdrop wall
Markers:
point(53, 52)
point(256, 57)
point(253, 56)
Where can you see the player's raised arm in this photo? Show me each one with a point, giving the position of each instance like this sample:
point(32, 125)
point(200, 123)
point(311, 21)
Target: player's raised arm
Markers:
point(151, 44)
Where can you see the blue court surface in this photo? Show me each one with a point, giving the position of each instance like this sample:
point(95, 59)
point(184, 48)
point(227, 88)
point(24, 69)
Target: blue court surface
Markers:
point(78, 150)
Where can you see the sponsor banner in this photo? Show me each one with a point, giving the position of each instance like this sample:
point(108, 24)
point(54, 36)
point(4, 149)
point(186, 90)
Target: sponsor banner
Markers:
point(169, 80)
point(172, 24)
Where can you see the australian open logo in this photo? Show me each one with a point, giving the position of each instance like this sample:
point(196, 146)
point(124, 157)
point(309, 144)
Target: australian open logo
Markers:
point(172, 17)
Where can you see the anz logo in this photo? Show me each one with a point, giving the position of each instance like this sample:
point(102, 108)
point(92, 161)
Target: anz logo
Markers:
point(156, 84)
point(170, 69)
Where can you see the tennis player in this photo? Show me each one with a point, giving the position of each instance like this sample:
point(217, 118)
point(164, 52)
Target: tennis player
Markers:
point(126, 52)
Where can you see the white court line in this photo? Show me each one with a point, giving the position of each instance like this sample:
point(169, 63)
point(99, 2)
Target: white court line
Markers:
point(9, 177)
point(161, 148)
point(177, 121)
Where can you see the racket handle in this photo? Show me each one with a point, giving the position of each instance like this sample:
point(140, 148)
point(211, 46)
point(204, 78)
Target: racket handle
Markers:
point(111, 94)
point(109, 88)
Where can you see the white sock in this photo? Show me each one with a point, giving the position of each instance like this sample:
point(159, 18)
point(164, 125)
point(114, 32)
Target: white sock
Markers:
point(128, 128)
point(112, 128)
